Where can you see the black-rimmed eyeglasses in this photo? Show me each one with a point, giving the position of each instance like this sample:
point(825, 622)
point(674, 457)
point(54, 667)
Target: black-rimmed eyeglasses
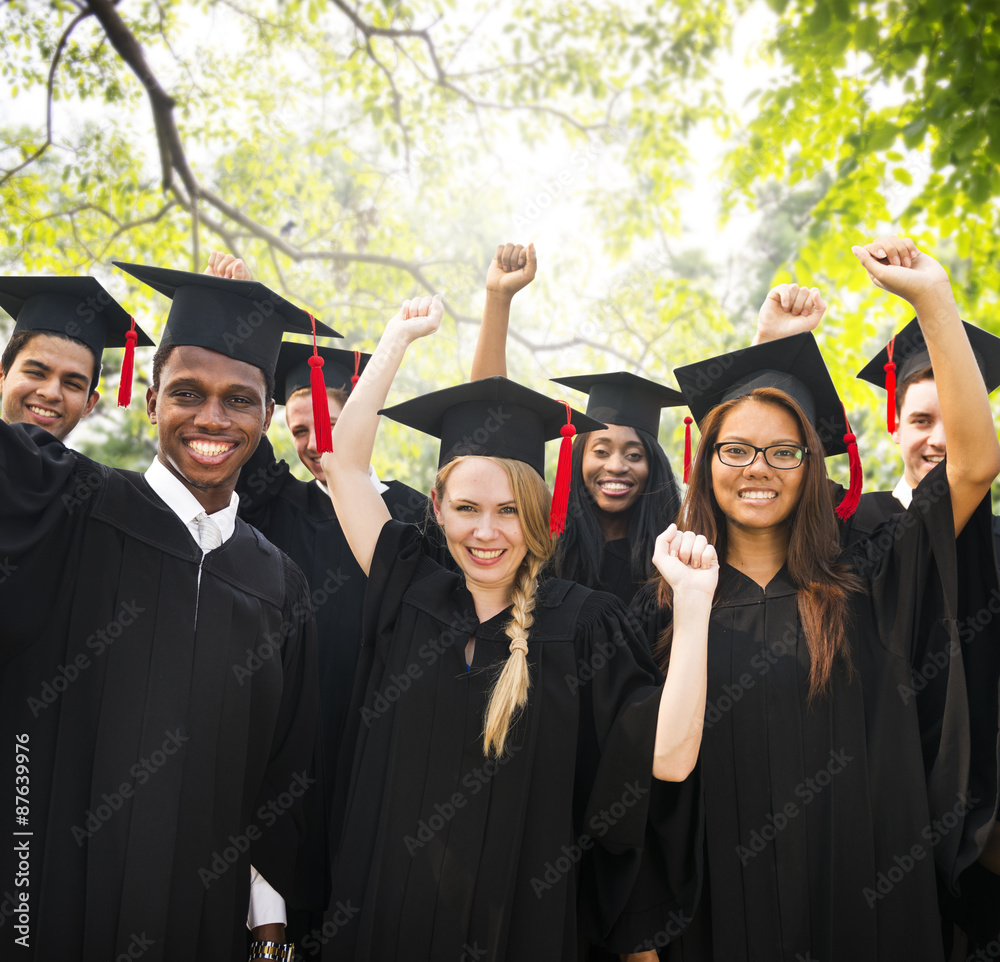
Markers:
point(784, 457)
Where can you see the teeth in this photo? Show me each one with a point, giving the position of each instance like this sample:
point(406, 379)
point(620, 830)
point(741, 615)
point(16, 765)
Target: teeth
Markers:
point(758, 495)
point(486, 555)
point(616, 486)
point(934, 458)
point(208, 448)
point(42, 412)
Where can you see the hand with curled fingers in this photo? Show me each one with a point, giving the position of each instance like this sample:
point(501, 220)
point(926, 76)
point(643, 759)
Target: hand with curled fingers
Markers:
point(418, 317)
point(894, 264)
point(226, 265)
point(687, 561)
point(513, 267)
point(789, 309)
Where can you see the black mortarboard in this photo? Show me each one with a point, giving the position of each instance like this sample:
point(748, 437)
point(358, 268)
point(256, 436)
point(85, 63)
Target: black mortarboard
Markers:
point(341, 369)
point(626, 399)
point(241, 319)
point(790, 364)
point(78, 307)
point(495, 417)
point(907, 353)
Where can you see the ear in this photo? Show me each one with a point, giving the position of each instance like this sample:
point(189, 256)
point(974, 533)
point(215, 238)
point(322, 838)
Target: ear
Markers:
point(268, 414)
point(895, 437)
point(91, 401)
point(151, 405)
point(437, 507)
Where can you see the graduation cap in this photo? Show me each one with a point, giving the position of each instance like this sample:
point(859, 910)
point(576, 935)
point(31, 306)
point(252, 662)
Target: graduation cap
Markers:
point(906, 353)
point(341, 369)
point(241, 319)
point(627, 399)
point(495, 417)
point(793, 365)
point(77, 307)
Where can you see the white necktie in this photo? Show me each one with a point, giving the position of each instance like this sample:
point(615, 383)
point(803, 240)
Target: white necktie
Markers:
point(209, 535)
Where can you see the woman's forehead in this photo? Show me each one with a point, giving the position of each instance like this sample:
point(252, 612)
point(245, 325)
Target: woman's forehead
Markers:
point(753, 420)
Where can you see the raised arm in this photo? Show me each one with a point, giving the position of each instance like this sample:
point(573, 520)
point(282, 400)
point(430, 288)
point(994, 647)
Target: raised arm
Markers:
point(512, 268)
point(788, 309)
point(690, 565)
point(973, 460)
point(360, 508)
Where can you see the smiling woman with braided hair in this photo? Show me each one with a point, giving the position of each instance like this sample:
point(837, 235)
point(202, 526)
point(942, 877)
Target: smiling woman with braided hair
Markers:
point(494, 788)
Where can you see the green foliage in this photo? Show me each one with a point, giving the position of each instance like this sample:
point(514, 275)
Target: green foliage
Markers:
point(356, 154)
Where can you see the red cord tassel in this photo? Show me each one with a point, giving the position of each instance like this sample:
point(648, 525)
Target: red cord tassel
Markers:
point(321, 405)
point(687, 448)
point(128, 364)
point(560, 493)
point(849, 503)
point(890, 390)
point(355, 377)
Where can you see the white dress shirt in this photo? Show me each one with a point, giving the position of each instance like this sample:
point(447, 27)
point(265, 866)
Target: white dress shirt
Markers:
point(903, 493)
point(266, 905)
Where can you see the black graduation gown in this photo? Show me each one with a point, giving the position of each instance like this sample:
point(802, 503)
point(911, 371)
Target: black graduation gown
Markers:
point(169, 707)
point(873, 508)
point(299, 518)
point(978, 605)
point(616, 570)
point(445, 854)
point(825, 822)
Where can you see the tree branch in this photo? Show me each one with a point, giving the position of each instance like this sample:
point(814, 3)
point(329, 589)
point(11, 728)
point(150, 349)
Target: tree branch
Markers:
point(172, 156)
point(56, 57)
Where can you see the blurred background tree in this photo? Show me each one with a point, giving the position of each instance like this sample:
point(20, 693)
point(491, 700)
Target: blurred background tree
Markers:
point(358, 153)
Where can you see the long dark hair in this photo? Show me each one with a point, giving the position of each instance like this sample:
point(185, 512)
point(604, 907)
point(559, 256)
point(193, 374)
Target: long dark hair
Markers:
point(579, 552)
point(813, 544)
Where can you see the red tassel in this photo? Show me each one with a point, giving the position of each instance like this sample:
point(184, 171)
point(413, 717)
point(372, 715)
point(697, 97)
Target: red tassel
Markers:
point(356, 377)
point(849, 503)
point(687, 448)
point(890, 390)
point(321, 405)
point(560, 493)
point(128, 364)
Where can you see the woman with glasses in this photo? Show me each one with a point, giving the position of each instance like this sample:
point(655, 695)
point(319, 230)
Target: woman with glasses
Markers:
point(835, 760)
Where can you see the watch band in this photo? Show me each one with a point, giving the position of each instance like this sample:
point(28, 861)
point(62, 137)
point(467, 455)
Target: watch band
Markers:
point(273, 951)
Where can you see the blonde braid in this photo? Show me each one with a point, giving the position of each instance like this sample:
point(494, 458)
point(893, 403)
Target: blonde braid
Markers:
point(510, 691)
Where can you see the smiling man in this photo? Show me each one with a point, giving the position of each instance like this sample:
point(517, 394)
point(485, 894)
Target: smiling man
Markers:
point(50, 368)
point(158, 660)
point(913, 414)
